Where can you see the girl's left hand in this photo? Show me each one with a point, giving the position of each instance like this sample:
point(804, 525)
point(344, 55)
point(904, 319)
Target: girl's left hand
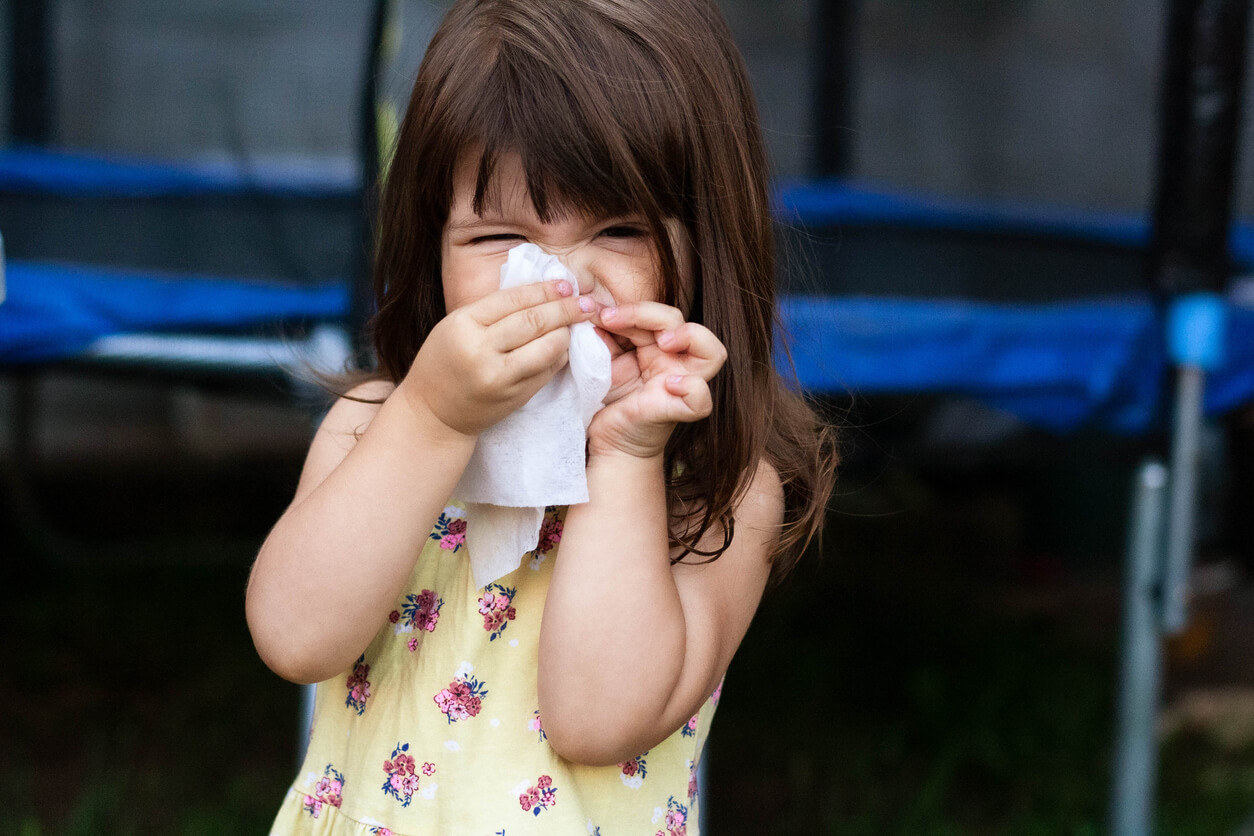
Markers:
point(662, 381)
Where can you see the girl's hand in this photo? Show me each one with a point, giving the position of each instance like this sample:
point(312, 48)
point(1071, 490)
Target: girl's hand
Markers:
point(660, 382)
point(487, 358)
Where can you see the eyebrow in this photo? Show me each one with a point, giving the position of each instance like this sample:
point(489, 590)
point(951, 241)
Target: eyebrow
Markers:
point(490, 220)
point(477, 221)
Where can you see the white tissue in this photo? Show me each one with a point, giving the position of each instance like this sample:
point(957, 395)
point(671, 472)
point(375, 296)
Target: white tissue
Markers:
point(535, 456)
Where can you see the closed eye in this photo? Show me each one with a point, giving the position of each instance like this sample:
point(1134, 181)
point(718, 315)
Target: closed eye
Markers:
point(625, 231)
point(500, 236)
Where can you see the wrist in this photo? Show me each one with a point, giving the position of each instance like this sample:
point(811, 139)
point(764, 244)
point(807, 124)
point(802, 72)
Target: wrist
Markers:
point(603, 456)
point(428, 424)
point(617, 437)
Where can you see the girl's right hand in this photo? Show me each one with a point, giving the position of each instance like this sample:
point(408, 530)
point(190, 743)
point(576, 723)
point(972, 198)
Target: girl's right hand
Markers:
point(488, 357)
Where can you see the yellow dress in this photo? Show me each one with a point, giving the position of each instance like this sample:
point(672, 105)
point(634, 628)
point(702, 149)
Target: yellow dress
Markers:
point(437, 729)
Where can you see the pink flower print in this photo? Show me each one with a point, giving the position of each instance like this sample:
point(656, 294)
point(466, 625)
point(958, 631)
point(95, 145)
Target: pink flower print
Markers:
point(690, 728)
point(329, 790)
point(412, 644)
point(496, 607)
point(400, 764)
point(633, 771)
point(676, 819)
point(718, 692)
point(535, 724)
point(550, 534)
point(538, 797)
point(450, 531)
point(402, 780)
point(692, 782)
point(394, 616)
point(421, 612)
point(358, 686)
point(462, 699)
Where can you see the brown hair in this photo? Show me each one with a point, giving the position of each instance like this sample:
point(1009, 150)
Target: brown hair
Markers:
point(616, 107)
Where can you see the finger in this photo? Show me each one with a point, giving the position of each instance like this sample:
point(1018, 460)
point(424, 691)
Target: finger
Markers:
point(615, 346)
point(640, 321)
point(501, 303)
point(521, 327)
point(697, 342)
point(624, 377)
point(526, 388)
point(547, 353)
point(694, 397)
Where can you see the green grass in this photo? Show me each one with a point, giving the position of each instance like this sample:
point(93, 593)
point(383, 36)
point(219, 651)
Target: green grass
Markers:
point(139, 706)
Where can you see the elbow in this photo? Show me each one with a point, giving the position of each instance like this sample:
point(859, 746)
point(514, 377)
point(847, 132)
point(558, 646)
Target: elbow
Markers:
point(302, 662)
point(592, 743)
point(587, 749)
point(293, 667)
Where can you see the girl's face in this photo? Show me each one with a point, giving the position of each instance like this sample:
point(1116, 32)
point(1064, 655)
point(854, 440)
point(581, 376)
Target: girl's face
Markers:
point(614, 259)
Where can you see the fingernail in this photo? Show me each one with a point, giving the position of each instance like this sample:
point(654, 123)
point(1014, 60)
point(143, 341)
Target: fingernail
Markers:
point(675, 378)
point(609, 313)
point(665, 337)
point(586, 304)
point(564, 288)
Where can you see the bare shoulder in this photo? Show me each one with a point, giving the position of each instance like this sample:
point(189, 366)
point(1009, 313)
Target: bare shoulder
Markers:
point(762, 507)
point(339, 431)
point(720, 597)
point(759, 518)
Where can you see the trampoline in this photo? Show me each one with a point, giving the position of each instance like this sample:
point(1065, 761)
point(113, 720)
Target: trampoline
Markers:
point(1062, 361)
point(909, 297)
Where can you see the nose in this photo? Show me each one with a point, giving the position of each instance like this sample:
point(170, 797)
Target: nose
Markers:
point(582, 262)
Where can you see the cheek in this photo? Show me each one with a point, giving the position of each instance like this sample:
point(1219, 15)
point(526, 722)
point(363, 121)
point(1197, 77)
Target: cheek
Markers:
point(469, 280)
point(616, 281)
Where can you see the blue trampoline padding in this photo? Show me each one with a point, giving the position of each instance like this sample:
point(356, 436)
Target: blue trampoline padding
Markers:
point(54, 311)
point(833, 202)
point(1061, 366)
point(40, 171)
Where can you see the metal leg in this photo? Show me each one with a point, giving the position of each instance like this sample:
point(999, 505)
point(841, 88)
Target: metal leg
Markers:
point(1185, 446)
point(307, 696)
point(1136, 756)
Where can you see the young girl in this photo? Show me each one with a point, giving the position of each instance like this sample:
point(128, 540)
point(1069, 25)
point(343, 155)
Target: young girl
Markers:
point(573, 695)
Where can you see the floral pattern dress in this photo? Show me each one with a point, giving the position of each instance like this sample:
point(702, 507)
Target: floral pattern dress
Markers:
point(436, 729)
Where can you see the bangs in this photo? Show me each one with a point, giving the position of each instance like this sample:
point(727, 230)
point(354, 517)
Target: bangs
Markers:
point(590, 141)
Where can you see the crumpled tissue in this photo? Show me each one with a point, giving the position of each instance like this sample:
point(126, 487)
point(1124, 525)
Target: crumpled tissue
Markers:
point(534, 457)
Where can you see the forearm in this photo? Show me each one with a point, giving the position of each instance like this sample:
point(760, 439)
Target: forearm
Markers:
point(333, 564)
point(612, 645)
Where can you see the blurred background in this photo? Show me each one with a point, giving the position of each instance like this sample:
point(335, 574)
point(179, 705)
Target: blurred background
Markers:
point(944, 662)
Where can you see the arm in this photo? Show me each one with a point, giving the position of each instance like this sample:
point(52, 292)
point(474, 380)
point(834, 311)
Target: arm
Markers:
point(377, 477)
point(631, 646)
point(373, 485)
